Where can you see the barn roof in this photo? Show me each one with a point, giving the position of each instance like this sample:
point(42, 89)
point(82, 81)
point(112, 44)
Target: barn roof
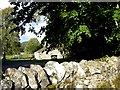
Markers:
point(42, 49)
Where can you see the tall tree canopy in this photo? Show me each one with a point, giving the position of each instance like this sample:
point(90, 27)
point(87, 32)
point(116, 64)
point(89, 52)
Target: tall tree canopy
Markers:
point(10, 41)
point(32, 46)
point(23, 45)
point(86, 29)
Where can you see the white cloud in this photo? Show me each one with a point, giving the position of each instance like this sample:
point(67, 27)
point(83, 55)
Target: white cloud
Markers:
point(4, 4)
point(28, 35)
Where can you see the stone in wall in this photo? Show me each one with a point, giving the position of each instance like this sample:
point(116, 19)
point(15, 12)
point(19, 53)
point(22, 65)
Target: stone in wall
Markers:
point(83, 64)
point(85, 74)
point(55, 71)
point(78, 71)
point(91, 67)
point(31, 76)
point(73, 76)
point(17, 77)
point(114, 63)
point(41, 76)
point(6, 84)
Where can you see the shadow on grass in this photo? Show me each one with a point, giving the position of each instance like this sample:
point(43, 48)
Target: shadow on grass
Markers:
point(15, 63)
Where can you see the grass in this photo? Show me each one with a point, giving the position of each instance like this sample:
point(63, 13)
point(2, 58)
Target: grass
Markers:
point(22, 57)
point(1, 72)
point(117, 81)
point(27, 57)
point(53, 86)
point(107, 84)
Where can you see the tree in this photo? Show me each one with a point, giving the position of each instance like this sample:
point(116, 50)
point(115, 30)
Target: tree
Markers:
point(85, 29)
point(32, 46)
point(10, 41)
point(23, 45)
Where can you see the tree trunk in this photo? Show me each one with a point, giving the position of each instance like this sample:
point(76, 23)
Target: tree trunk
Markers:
point(4, 56)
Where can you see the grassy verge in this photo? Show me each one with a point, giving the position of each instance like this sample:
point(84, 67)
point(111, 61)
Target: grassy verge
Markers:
point(107, 84)
point(22, 57)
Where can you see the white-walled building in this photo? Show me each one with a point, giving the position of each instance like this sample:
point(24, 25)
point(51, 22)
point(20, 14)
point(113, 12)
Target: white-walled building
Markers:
point(53, 54)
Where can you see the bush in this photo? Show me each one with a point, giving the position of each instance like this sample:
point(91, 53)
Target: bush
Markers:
point(32, 46)
point(102, 59)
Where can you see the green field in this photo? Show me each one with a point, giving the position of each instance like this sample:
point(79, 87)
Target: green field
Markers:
point(22, 57)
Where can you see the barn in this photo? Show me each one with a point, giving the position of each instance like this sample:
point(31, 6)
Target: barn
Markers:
point(53, 54)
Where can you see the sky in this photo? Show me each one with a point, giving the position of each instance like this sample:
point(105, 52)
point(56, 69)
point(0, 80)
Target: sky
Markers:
point(28, 35)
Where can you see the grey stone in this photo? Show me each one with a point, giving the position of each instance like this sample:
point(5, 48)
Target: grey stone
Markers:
point(86, 82)
point(79, 87)
point(98, 72)
point(41, 76)
point(77, 69)
point(74, 74)
point(31, 75)
point(55, 71)
point(83, 64)
point(6, 84)
point(85, 74)
point(68, 69)
point(94, 67)
point(17, 77)
point(73, 68)
point(94, 80)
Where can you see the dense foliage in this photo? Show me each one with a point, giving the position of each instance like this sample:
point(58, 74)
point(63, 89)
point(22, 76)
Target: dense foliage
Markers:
point(87, 30)
point(32, 46)
point(23, 45)
point(10, 41)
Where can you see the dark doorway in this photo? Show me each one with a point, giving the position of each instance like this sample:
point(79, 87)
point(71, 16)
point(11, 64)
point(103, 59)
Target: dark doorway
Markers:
point(53, 56)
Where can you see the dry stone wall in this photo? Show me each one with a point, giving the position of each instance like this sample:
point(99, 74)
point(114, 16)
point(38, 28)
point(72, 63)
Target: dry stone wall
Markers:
point(85, 74)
